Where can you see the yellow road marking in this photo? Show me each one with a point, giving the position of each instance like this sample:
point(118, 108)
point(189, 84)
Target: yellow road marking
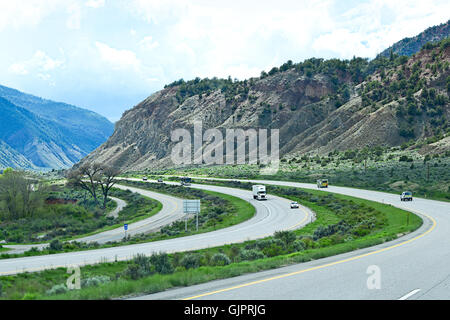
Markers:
point(318, 267)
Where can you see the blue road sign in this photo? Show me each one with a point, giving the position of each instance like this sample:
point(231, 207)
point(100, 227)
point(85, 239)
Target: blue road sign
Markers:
point(125, 226)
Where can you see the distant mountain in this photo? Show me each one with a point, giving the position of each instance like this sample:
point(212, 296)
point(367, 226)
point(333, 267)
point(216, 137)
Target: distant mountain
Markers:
point(11, 158)
point(410, 46)
point(39, 133)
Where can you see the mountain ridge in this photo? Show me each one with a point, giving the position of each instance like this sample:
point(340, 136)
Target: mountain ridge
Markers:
point(409, 46)
point(42, 134)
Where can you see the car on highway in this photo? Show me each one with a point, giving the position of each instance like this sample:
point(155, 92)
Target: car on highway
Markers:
point(294, 205)
point(144, 179)
point(406, 196)
point(185, 181)
point(160, 180)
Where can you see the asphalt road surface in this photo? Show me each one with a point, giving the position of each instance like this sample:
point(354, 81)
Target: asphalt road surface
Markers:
point(271, 215)
point(416, 266)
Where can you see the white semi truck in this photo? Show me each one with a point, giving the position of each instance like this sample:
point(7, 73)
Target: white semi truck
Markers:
point(259, 192)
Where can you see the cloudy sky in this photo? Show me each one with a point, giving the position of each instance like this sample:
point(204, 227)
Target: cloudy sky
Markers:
point(108, 55)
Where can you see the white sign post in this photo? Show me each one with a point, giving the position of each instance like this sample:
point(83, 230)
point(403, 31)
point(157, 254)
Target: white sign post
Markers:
point(191, 206)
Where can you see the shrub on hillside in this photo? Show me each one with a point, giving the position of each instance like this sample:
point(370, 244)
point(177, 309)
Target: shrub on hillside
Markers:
point(251, 254)
point(57, 289)
point(161, 263)
point(56, 245)
point(190, 261)
point(220, 259)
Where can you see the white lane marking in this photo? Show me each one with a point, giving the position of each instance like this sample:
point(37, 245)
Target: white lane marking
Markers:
point(409, 295)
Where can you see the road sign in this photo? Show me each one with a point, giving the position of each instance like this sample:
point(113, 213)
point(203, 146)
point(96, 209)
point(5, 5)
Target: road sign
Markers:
point(191, 206)
point(125, 227)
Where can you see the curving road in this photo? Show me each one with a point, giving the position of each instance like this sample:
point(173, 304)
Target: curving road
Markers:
point(416, 266)
point(271, 215)
point(170, 212)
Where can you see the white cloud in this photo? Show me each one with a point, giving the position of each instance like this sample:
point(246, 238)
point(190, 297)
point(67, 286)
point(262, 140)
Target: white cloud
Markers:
point(40, 63)
point(95, 3)
point(148, 43)
point(18, 68)
point(157, 11)
point(118, 59)
point(30, 13)
point(372, 26)
point(221, 39)
point(74, 19)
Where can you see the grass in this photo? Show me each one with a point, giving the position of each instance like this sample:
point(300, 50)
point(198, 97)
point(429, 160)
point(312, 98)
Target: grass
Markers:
point(154, 211)
point(34, 285)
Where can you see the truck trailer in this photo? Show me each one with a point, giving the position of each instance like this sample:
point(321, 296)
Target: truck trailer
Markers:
point(259, 192)
point(322, 183)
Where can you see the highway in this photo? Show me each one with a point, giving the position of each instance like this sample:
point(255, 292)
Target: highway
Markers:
point(271, 215)
point(170, 212)
point(415, 266)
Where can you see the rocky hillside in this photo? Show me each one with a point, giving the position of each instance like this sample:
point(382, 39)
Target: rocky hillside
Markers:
point(409, 46)
point(43, 134)
point(319, 106)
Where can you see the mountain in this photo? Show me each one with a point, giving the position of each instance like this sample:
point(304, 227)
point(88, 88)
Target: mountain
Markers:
point(409, 46)
point(38, 133)
point(318, 105)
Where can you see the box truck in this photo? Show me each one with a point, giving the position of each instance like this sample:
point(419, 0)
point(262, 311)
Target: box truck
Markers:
point(259, 192)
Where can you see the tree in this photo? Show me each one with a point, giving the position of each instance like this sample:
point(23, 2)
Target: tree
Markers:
point(85, 177)
point(90, 177)
point(107, 180)
point(20, 196)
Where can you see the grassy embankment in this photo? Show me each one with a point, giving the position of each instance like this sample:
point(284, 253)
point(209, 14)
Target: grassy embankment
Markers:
point(73, 221)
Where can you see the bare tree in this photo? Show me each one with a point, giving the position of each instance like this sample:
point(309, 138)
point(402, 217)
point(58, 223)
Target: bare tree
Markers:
point(86, 177)
point(107, 179)
point(92, 176)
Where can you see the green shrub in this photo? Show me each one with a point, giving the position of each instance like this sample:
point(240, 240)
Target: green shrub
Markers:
point(29, 296)
point(325, 242)
point(298, 245)
point(190, 261)
point(161, 263)
point(95, 281)
point(57, 289)
point(251, 254)
point(308, 243)
point(287, 237)
point(132, 272)
point(273, 251)
point(56, 245)
point(236, 250)
point(220, 259)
